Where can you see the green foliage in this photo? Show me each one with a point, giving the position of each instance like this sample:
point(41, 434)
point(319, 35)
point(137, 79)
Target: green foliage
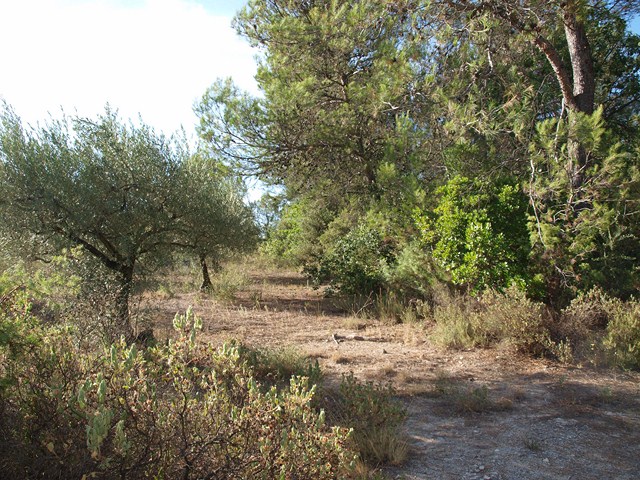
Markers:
point(122, 194)
point(334, 81)
point(374, 105)
point(413, 274)
point(286, 244)
point(601, 330)
point(585, 235)
point(179, 410)
point(478, 233)
point(99, 185)
point(355, 264)
point(212, 219)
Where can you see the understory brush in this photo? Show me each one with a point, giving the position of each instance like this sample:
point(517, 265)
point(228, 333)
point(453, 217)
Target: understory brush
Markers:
point(602, 329)
point(507, 318)
point(594, 328)
point(182, 409)
point(375, 416)
point(226, 283)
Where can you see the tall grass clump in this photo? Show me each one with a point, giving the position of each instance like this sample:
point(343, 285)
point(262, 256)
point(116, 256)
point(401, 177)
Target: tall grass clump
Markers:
point(228, 281)
point(375, 416)
point(621, 340)
point(507, 318)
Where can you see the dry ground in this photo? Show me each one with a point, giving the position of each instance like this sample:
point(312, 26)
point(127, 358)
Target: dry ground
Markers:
point(481, 414)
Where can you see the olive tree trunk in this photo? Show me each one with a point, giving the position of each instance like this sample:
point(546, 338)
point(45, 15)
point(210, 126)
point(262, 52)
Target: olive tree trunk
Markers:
point(123, 317)
point(206, 279)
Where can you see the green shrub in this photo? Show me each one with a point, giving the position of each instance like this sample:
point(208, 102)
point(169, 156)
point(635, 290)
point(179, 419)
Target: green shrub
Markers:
point(479, 233)
point(294, 241)
point(413, 274)
point(355, 264)
point(181, 410)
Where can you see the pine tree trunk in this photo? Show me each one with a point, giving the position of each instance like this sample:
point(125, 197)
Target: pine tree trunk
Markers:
point(583, 90)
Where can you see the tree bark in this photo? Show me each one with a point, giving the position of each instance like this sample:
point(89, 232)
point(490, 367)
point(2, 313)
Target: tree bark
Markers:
point(206, 279)
point(584, 84)
point(584, 88)
point(123, 321)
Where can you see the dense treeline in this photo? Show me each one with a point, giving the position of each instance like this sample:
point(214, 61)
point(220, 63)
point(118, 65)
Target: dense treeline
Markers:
point(480, 144)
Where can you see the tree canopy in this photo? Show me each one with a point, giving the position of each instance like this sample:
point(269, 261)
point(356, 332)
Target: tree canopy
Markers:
point(370, 111)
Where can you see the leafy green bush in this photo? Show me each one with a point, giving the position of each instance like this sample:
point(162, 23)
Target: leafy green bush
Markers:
point(479, 233)
point(294, 241)
point(355, 264)
point(413, 274)
point(181, 410)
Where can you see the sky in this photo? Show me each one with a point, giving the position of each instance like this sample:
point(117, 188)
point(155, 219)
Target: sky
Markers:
point(147, 57)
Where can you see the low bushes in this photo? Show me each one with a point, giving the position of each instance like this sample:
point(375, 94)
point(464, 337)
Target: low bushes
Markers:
point(603, 329)
point(509, 317)
point(181, 410)
point(369, 408)
point(594, 328)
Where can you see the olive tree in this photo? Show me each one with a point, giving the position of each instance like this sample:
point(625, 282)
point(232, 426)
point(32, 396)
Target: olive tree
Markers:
point(213, 219)
point(97, 184)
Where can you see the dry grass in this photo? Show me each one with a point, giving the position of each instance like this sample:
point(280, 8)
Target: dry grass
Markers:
point(464, 398)
point(340, 359)
point(355, 323)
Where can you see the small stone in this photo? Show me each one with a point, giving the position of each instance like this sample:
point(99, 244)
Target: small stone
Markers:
point(546, 460)
point(481, 468)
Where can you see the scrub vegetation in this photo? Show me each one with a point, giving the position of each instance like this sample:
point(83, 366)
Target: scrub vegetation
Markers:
point(466, 171)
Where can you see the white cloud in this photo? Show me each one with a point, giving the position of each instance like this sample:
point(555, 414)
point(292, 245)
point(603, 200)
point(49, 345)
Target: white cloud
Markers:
point(153, 57)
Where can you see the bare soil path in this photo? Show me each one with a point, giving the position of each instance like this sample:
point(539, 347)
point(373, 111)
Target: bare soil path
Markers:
point(481, 414)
